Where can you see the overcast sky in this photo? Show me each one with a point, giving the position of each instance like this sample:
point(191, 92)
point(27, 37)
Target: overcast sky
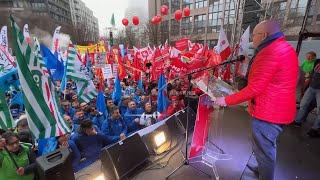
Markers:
point(103, 9)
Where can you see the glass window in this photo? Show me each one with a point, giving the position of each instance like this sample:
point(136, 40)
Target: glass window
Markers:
point(186, 25)
point(200, 23)
point(212, 43)
point(175, 5)
point(200, 3)
point(175, 27)
point(187, 3)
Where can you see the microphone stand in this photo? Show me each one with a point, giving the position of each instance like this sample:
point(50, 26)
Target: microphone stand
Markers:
point(185, 156)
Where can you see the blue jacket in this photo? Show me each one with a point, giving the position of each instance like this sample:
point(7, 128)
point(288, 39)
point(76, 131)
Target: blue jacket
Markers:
point(112, 131)
point(88, 146)
point(98, 120)
point(130, 117)
point(123, 109)
point(136, 99)
point(76, 120)
point(71, 113)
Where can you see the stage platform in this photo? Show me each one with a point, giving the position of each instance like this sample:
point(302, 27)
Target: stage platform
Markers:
point(298, 155)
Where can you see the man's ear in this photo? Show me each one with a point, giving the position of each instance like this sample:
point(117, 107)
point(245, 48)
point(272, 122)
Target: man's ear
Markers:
point(265, 35)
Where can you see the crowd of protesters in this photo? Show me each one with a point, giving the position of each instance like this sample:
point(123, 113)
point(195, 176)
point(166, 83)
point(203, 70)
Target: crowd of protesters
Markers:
point(91, 130)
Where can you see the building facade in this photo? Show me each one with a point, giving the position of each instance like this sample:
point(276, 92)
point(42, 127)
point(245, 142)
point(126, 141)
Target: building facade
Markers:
point(65, 13)
point(58, 10)
point(204, 23)
point(202, 26)
point(83, 18)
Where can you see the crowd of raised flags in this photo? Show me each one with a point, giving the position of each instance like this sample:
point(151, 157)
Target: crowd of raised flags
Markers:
point(44, 75)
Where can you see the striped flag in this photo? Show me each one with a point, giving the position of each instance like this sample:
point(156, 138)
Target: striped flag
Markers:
point(6, 120)
point(43, 115)
point(76, 71)
point(6, 61)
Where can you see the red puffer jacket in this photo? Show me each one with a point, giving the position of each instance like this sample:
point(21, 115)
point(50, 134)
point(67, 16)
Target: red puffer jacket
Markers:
point(272, 81)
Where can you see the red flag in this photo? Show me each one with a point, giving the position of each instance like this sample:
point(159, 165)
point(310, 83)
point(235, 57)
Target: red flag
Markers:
point(227, 73)
point(223, 46)
point(137, 66)
point(121, 70)
point(182, 44)
point(201, 128)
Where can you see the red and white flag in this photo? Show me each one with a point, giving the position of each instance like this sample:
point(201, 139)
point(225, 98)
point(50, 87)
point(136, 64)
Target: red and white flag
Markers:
point(26, 33)
point(223, 46)
point(244, 42)
point(55, 41)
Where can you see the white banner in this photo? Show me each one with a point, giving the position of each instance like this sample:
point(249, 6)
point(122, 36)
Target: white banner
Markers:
point(4, 37)
point(244, 42)
point(100, 59)
point(26, 33)
point(107, 71)
point(55, 40)
point(115, 70)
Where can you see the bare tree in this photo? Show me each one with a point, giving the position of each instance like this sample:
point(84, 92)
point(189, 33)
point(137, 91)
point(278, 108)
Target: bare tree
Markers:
point(152, 33)
point(131, 36)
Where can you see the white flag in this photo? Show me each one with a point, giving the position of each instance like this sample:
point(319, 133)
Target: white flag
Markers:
point(244, 42)
point(4, 38)
point(26, 33)
point(55, 40)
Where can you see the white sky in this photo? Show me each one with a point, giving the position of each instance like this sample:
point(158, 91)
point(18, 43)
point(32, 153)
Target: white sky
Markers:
point(103, 9)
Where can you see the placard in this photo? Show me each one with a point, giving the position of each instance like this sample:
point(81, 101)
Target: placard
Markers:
point(115, 70)
point(100, 59)
point(107, 71)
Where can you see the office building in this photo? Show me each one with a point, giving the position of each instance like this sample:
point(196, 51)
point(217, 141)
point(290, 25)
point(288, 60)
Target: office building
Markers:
point(204, 23)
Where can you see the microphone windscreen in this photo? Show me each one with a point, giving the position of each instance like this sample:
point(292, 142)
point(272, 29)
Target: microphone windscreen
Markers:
point(241, 58)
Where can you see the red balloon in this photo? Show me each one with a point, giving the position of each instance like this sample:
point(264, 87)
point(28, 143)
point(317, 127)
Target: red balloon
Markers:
point(178, 15)
point(154, 20)
point(158, 18)
point(186, 11)
point(164, 9)
point(135, 20)
point(125, 21)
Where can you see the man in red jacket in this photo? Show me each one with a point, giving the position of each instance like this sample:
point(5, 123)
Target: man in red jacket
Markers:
point(271, 85)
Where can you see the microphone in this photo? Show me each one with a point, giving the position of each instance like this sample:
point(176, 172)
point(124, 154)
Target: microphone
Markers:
point(239, 58)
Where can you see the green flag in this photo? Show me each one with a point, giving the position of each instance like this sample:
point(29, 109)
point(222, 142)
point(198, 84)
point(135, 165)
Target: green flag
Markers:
point(41, 102)
point(113, 23)
point(6, 120)
point(75, 71)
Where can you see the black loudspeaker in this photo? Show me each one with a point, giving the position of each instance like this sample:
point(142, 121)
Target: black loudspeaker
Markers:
point(181, 119)
point(55, 165)
point(120, 159)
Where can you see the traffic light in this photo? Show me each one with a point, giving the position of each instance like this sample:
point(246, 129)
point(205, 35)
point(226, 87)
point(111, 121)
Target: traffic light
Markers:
point(111, 38)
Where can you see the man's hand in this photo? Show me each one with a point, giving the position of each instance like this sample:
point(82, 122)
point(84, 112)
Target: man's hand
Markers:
point(122, 136)
point(219, 101)
point(307, 75)
point(20, 171)
point(137, 120)
point(64, 144)
point(2, 143)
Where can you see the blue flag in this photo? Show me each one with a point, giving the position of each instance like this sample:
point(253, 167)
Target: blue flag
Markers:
point(64, 78)
point(163, 101)
point(49, 59)
point(101, 103)
point(17, 99)
point(59, 72)
point(140, 84)
point(8, 79)
point(117, 92)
